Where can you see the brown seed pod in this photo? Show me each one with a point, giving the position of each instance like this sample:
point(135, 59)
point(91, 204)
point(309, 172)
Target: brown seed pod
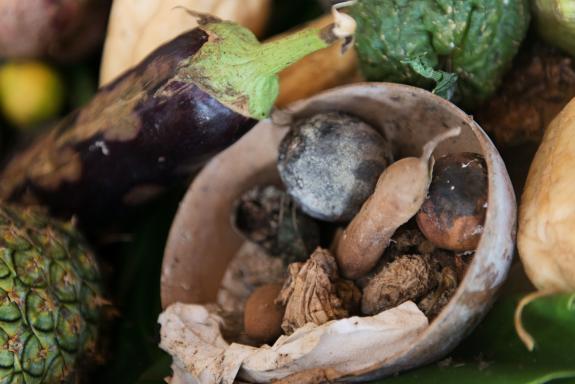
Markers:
point(399, 193)
point(262, 316)
point(453, 213)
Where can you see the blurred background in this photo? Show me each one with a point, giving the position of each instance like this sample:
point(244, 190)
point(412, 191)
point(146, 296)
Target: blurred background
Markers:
point(59, 71)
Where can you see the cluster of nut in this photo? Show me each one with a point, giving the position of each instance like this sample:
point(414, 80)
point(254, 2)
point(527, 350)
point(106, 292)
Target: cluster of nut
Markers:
point(414, 226)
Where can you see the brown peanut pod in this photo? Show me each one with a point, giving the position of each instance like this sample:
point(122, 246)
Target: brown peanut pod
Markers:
point(398, 195)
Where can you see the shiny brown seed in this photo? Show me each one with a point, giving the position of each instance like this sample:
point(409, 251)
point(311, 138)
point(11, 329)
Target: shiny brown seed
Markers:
point(453, 213)
point(262, 317)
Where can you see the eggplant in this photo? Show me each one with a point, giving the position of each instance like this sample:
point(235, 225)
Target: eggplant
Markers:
point(159, 122)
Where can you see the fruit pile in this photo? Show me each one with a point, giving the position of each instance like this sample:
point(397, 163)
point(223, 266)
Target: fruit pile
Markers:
point(111, 109)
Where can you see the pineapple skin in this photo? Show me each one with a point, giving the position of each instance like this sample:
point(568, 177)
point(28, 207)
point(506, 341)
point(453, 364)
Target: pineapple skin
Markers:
point(50, 298)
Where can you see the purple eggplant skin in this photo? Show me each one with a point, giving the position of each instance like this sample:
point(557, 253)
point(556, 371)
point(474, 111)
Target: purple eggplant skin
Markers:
point(140, 134)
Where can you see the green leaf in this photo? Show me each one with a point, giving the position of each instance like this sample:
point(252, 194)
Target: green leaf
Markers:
point(445, 82)
point(494, 353)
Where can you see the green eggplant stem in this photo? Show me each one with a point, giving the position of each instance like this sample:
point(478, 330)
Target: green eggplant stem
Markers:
point(241, 73)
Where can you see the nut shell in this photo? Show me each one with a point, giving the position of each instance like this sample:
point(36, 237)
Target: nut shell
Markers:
point(453, 214)
point(262, 316)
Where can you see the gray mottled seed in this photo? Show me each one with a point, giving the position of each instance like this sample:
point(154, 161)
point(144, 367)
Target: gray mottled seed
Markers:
point(330, 164)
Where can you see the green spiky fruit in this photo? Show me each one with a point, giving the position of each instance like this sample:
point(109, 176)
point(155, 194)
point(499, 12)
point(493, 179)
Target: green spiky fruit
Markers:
point(50, 298)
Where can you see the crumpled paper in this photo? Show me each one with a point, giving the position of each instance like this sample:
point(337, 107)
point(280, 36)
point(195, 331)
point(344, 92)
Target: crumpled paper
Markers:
point(191, 334)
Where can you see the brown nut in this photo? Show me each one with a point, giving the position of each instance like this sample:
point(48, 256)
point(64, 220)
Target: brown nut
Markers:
point(262, 316)
point(453, 213)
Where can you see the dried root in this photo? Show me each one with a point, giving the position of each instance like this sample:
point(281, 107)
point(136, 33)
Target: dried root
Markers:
point(408, 277)
point(408, 241)
point(434, 302)
point(413, 269)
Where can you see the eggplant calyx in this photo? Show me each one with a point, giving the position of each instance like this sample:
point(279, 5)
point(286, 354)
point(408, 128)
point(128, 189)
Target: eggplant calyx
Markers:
point(241, 73)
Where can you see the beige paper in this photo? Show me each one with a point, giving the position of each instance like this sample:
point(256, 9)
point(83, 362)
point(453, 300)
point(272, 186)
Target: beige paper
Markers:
point(191, 334)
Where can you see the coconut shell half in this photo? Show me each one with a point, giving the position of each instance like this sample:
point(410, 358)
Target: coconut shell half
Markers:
point(202, 240)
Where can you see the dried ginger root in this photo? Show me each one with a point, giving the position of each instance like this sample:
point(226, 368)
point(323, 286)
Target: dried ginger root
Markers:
point(418, 258)
point(435, 300)
point(408, 277)
point(315, 293)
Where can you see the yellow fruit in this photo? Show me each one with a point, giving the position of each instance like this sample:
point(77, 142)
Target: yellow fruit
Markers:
point(545, 239)
point(30, 92)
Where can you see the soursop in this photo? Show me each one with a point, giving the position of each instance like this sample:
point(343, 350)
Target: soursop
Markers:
point(50, 298)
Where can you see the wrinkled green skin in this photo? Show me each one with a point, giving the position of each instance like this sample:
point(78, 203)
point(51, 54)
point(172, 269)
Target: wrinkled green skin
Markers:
point(475, 39)
point(49, 291)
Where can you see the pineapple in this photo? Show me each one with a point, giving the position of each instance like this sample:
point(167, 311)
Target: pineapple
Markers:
point(50, 298)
